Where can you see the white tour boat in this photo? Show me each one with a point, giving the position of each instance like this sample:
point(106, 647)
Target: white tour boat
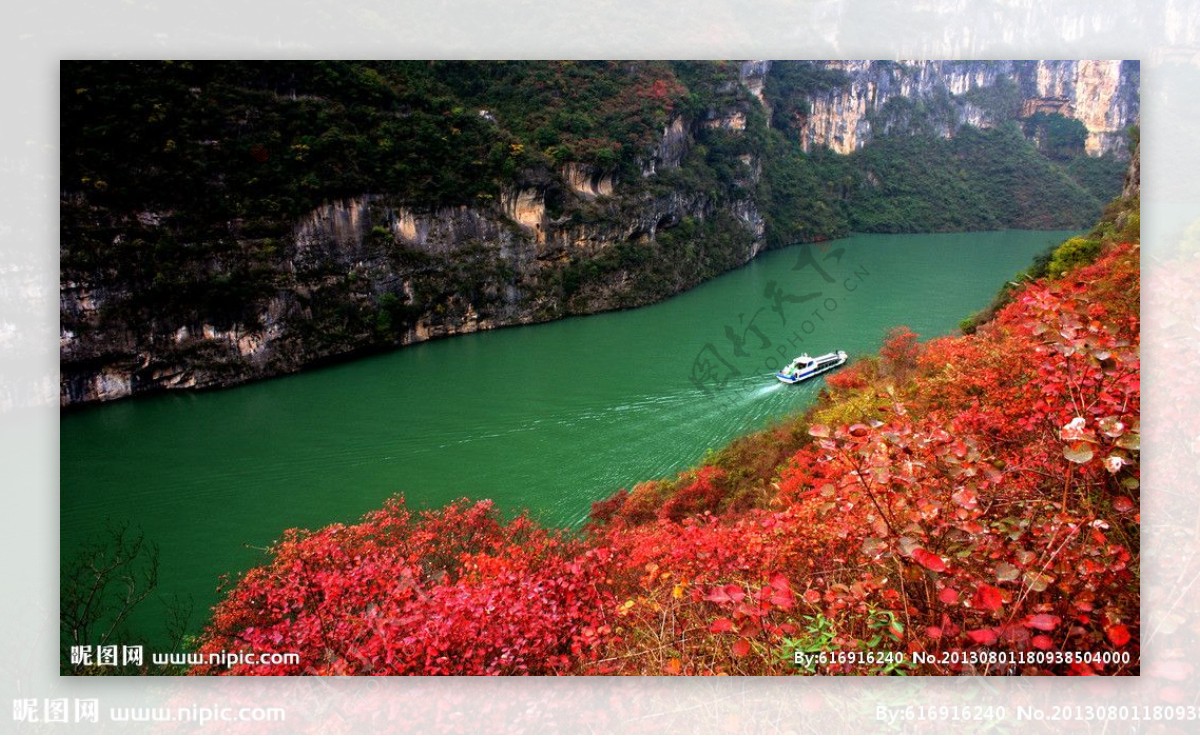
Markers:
point(804, 367)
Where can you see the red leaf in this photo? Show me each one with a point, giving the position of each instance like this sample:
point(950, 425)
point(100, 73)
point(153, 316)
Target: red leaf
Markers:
point(1118, 635)
point(948, 596)
point(1123, 504)
point(674, 666)
point(1041, 641)
point(987, 598)
point(782, 600)
point(966, 498)
point(1042, 622)
point(1078, 452)
point(720, 626)
point(741, 648)
point(928, 560)
point(780, 582)
point(982, 636)
point(812, 596)
point(718, 595)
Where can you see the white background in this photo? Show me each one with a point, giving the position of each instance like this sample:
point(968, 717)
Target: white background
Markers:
point(1163, 34)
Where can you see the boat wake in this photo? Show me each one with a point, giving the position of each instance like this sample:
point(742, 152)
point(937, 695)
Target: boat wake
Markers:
point(768, 389)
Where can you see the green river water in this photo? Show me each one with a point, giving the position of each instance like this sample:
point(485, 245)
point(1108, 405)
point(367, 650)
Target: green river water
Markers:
point(545, 418)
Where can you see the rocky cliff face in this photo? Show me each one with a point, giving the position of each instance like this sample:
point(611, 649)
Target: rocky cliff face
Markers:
point(881, 96)
point(368, 272)
point(1133, 178)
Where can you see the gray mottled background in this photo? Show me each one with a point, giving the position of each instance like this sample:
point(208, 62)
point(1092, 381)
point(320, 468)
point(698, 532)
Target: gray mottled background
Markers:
point(1163, 34)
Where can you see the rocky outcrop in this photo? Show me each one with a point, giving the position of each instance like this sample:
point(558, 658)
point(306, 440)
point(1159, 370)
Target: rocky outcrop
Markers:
point(588, 180)
point(671, 149)
point(526, 207)
point(753, 75)
point(1100, 94)
point(1133, 178)
point(1101, 97)
point(733, 120)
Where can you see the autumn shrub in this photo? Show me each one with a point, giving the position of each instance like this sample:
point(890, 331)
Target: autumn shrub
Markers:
point(898, 356)
point(750, 463)
point(704, 493)
point(454, 591)
point(855, 376)
point(643, 502)
point(861, 405)
point(606, 509)
point(1071, 254)
point(854, 394)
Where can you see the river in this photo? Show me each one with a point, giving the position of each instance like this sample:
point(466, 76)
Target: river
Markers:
point(544, 418)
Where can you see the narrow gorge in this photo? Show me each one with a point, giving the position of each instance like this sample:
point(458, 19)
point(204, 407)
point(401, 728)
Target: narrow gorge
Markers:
point(224, 222)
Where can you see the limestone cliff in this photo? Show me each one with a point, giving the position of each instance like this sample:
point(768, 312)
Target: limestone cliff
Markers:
point(1100, 94)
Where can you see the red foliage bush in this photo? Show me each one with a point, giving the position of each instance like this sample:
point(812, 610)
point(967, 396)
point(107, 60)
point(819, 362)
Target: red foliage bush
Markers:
point(847, 379)
point(606, 509)
point(447, 592)
point(899, 352)
point(702, 494)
